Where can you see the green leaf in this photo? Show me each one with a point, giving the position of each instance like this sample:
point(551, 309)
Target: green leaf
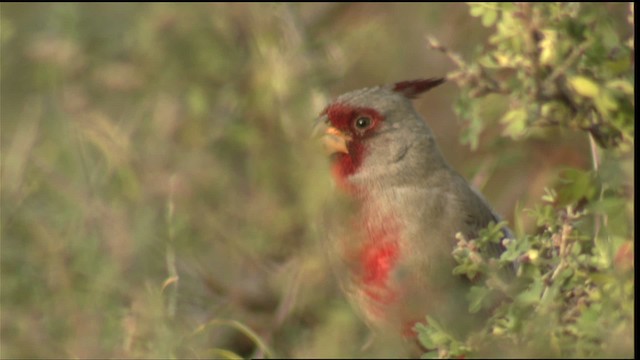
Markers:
point(618, 66)
point(532, 295)
point(478, 296)
point(549, 196)
point(623, 86)
point(576, 184)
point(440, 338)
point(557, 111)
point(435, 324)
point(584, 86)
point(489, 18)
point(608, 206)
point(476, 9)
point(425, 339)
point(605, 103)
point(516, 121)
point(549, 47)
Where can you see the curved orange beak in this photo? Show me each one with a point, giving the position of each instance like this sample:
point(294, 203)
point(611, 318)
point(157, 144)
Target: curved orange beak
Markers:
point(334, 140)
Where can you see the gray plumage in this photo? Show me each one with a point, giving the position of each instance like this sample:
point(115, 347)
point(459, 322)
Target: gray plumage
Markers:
point(409, 186)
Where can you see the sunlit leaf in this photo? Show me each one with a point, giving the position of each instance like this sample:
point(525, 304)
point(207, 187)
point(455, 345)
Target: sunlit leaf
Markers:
point(584, 86)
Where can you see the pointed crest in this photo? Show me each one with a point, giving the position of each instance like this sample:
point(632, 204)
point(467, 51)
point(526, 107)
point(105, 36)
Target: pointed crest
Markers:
point(413, 88)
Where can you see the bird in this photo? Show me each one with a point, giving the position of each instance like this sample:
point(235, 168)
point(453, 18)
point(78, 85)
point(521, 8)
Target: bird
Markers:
point(393, 249)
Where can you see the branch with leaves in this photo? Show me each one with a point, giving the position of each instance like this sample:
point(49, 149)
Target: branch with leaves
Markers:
point(562, 65)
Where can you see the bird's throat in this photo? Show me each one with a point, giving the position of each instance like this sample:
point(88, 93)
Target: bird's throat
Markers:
point(346, 165)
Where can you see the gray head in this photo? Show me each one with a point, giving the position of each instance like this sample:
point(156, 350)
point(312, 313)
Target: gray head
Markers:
point(369, 130)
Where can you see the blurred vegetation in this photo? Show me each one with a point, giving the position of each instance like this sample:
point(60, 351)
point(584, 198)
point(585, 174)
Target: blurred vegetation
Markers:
point(161, 197)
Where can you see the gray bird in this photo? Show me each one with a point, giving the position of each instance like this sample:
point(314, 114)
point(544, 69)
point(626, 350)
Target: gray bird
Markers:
point(394, 249)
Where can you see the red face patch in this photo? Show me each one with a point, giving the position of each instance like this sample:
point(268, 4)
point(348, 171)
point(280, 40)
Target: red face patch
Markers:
point(344, 118)
point(357, 122)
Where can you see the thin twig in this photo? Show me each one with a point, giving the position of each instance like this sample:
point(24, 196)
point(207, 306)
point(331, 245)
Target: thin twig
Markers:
point(455, 58)
point(571, 59)
point(599, 219)
point(565, 248)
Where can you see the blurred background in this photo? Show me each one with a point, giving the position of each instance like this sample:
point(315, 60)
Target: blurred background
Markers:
point(158, 178)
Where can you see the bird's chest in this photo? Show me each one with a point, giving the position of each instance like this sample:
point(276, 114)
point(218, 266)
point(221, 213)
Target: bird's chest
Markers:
point(390, 254)
point(377, 254)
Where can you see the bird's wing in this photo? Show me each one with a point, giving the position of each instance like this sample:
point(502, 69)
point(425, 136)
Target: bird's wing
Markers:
point(477, 216)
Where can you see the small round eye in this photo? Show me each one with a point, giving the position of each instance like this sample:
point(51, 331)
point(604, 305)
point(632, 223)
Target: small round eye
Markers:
point(363, 122)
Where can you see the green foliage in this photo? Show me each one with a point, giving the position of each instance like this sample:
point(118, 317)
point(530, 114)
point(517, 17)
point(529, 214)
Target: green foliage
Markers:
point(435, 337)
point(570, 290)
point(566, 290)
point(566, 65)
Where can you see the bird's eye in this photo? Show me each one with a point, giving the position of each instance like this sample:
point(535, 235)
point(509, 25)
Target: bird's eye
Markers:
point(363, 122)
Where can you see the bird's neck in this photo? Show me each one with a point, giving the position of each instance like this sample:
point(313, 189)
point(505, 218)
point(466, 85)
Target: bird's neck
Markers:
point(400, 166)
